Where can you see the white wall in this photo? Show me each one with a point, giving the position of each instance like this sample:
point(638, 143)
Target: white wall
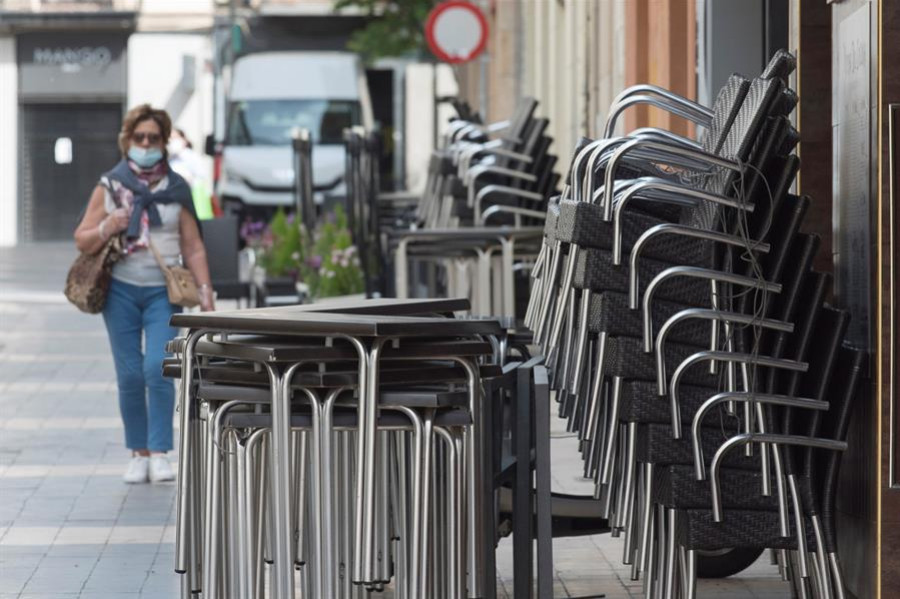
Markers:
point(420, 117)
point(156, 75)
point(587, 37)
point(8, 141)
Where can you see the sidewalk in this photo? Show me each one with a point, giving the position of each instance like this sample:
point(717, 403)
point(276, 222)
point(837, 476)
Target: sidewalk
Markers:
point(69, 527)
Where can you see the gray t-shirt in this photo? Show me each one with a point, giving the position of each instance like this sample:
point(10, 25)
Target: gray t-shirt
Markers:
point(138, 266)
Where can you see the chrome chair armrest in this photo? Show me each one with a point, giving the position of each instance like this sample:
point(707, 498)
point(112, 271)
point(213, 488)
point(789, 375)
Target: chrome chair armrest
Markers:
point(663, 149)
point(591, 154)
point(671, 103)
point(489, 190)
point(477, 172)
point(399, 196)
point(744, 439)
point(470, 128)
point(653, 183)
point(515, 210)
point(721, 356)
point(707, 314)
point(495, 148)
point(686, 231)
point(699, 273)
point(655, 90)
point(741, 396)
point(460, 133)
point(498, 126)
point(467, 152)
point(653, 132)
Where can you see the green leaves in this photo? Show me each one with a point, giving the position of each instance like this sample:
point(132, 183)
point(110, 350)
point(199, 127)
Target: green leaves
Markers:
point(328, 263)
point(397, 27)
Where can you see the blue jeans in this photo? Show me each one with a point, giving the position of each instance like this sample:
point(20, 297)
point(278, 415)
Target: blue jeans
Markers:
point(146, 399)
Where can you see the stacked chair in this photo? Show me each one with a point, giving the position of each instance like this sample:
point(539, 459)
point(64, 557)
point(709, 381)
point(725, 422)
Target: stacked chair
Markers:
point(690, 345)
point(476, 228)
point(336, 450)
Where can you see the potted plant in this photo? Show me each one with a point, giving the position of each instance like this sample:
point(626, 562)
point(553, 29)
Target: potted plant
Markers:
point(323, 264)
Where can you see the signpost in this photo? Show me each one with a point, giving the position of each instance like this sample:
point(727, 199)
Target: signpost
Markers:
point(456, 31)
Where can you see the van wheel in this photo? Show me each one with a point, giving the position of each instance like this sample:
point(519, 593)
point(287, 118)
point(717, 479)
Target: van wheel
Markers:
point(726, 562)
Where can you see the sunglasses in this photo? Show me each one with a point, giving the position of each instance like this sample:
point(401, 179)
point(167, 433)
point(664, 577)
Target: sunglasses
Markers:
point(153, 138)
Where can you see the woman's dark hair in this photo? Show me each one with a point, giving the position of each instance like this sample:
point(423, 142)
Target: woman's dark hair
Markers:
point(138, 115)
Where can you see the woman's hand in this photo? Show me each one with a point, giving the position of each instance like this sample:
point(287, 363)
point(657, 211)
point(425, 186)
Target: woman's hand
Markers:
point(116, 222)
point(207, 303)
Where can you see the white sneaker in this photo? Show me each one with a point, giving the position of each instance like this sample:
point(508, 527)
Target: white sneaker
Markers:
point(160, 469)
point(137, 470)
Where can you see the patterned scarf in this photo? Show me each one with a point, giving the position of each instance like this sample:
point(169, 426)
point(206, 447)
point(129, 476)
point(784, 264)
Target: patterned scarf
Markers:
point(149, 177)
point(130, 188)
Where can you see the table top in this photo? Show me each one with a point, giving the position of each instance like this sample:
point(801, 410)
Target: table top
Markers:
point(470, 233)
point(287, 321)
point(384, 306)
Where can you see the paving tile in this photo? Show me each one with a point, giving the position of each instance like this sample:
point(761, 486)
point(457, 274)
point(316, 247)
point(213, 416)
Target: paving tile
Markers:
point(50, 582)
point(14, 579)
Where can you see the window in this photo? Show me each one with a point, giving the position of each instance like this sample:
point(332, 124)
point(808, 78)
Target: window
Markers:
point(272, 122)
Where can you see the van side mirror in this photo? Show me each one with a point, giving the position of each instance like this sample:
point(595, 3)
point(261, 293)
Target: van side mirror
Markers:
point(210, 145)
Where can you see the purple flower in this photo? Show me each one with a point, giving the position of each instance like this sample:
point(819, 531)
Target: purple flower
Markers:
point(314, 262)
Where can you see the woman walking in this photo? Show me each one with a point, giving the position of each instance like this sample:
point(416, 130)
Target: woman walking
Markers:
point(150, 206)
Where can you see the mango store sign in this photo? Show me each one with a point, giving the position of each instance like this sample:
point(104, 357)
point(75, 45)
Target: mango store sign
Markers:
point(72, 60)
point(456, 31)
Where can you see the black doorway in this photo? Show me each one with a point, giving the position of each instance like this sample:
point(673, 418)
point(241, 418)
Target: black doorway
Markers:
point(381, 91)
point(65, 149)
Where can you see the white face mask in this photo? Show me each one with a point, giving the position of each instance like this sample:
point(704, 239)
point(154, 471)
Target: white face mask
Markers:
point(176, 146)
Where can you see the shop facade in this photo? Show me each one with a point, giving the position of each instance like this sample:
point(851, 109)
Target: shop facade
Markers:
point(66, 81)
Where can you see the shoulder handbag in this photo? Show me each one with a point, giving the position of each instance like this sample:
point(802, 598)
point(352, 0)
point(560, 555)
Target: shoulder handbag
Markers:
point(180, 282)
point(87, 283)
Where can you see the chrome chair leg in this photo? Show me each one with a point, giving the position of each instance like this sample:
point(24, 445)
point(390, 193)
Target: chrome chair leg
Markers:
point(184, 512)
point(385, 509)
point(426, 502)
point(649, 556)
point(401, 517)
point(647, 529)
point(837, 576)
point(232, 514)
point(211, 558)
point(620, 480)
point(301, 499)
point(317, 557)
point(414, 544)
point(366, 455)
point(671, 574)
point(628, 500)
point(298, 479)
point(254, 508)
point(800, 526)
point(325, 481)
point(691, 575)
point(821, 558)
point(196, 500)
point(611, 437)
point(661, 550)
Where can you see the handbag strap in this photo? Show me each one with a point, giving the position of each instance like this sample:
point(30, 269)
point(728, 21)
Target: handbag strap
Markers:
point(156, 255)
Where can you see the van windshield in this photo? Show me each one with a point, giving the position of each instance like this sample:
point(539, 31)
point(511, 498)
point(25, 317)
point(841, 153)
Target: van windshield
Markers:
point(272, 122)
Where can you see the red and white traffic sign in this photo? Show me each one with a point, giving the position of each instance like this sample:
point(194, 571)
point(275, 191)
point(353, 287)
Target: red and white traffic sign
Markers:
point(456, 31)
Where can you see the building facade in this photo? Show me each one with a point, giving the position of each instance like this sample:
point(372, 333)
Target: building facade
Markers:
point(68, 72)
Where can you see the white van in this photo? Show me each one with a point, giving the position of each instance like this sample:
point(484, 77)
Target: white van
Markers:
point(271, 95)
